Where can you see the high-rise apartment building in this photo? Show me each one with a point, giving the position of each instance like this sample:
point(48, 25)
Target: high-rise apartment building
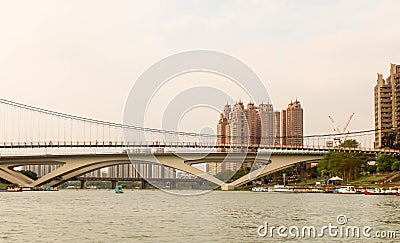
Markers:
point(223, 139)
point(268, 124)
point(95, 173)
point(238, 126)
point(387, 107)
point(254, 124)
point(277, 126)
point(292, 124)
point(146, 170)
point(227, 111)
point(223, 133)
point(122, 171)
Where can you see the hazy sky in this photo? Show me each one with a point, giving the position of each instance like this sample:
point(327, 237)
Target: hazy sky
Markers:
point(82, 57)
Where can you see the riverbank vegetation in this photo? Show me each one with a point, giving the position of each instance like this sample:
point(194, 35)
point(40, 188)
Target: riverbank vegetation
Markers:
point(348, 166)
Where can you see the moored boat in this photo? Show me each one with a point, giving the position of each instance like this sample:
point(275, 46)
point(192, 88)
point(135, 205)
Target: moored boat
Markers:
point(345, 190)
point(380, 191)
point(280, 188)
point(259, 189)
point(329, 190)
point(14, 189)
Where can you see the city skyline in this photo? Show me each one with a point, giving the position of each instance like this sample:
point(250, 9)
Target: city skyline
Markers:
point(262, 122)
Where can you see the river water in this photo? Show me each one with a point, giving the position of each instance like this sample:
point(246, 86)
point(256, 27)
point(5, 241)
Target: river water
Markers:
point(156, 216)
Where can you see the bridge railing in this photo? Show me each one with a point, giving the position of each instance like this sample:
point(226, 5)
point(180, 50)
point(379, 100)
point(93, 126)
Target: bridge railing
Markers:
point(164, 147)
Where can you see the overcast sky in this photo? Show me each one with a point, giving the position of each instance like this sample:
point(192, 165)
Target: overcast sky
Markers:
point(82, 57)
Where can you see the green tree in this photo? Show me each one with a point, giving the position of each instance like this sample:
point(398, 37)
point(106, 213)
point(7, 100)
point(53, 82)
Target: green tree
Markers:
point(346, 165)
point(385, 161)
point(350, 143)
point(396, 166)
point(372, 168)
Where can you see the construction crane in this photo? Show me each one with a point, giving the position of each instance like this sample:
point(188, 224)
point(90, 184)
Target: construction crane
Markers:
point(336, 128)
point(336, 141)
point(347, 125)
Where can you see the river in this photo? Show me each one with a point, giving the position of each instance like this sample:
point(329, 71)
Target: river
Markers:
point(156, 216)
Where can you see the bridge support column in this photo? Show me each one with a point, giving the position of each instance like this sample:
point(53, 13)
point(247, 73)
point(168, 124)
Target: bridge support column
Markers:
point(114, 184)
point(83, 184)
point(227, 187)
point(19, 176)
point(10, 178)
point(172, 185)
point(144, 184)
point(278, 162)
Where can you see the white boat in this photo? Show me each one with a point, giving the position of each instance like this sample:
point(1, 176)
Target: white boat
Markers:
point(346, 190)
point(259, 189)
point(14, 189)
point(280, 188)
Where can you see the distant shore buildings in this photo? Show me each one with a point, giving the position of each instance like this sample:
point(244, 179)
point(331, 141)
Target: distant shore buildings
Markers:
point(122, 171)
point(387, 108)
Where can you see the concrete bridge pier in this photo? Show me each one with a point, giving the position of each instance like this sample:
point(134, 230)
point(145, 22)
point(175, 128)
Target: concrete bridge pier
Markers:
point(83, 184)
point(227, 187)
point(171, 185)
point(114, 184)
point(199, 184)
point(143, 184)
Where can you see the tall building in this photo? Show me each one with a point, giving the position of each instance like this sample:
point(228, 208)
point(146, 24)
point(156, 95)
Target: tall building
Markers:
point(387, 107)
point(394, 79)
point(223, 139)
point(223, 132)
point(254, 124)
point(292, 124)
point(227, 111)
point(122, 171)
point(95, 173)
point(277, 125)
point(284, 128)
point(268, 124)
point(146, 170)
point(238, 126)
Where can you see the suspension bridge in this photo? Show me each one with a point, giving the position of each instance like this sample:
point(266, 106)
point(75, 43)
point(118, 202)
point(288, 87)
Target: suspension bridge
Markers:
point(35, 136)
